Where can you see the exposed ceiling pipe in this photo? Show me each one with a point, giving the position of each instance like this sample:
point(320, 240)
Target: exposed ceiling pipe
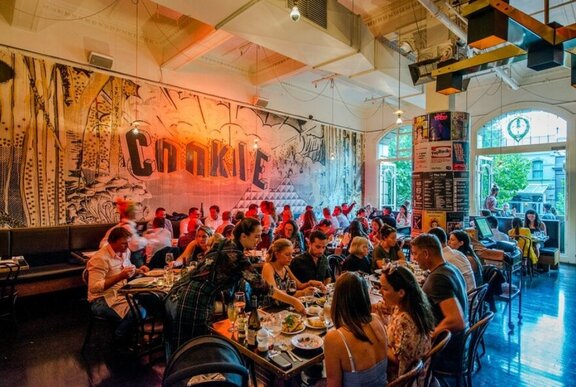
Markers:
point(462, 35)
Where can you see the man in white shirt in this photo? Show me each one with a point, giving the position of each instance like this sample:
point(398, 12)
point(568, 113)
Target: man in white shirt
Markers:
point(213, 220)
point(497, 235)
point(108, 270)
point(159, 238)
point(194, 217)
point(456, 258)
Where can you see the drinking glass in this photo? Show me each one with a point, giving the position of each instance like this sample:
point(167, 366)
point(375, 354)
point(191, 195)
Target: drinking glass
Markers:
point(291, 287)
point(326, 315)
point(273, 324)
point(239, 302)
point(232, 316)
point(168, 276)
point(169, 258)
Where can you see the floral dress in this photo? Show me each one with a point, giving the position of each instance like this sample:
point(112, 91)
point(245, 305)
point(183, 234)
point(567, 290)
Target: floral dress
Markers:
point(407, 344)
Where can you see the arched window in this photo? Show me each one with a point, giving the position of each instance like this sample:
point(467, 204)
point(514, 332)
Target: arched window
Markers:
point(395, 172)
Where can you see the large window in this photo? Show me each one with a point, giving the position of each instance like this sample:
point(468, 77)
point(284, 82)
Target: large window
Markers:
point(395, 172)
point(523, 152)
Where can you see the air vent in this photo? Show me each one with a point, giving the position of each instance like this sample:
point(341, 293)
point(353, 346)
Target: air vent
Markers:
point(100, 60)
point(313, 10)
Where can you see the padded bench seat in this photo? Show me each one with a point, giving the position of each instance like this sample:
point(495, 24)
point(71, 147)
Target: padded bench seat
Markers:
point(54, 270)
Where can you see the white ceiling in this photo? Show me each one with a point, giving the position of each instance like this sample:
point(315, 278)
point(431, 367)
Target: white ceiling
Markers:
point(257, 39)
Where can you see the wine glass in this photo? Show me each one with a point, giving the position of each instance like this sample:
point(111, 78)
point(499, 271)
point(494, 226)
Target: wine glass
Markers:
point(232, 316)
point(326, 315)
point(169, 258)
point(273, 324)
point(239, 302)
point(291, 287)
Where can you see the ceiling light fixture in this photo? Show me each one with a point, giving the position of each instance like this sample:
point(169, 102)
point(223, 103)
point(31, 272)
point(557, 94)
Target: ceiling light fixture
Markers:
point(136, 122)
point(295, 13)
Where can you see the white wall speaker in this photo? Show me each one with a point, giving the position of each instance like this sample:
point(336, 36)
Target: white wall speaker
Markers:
point(100, 60)
point(260, 102)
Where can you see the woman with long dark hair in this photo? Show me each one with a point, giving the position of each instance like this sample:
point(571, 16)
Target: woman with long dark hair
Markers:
point(460, 240)
point(290, 231)
point(308, 223)
point(532, 221)
point(356, 351)
point(410, 327)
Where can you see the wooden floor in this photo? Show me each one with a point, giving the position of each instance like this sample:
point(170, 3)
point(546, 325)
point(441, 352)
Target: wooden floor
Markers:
point(45, 349)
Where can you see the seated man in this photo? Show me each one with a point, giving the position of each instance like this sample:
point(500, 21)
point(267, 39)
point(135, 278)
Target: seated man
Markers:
point(446, 290)
point(161, 213)
point(159, 243)
point(213, 220)
point(192, 222)
point(108, 270)
point(313, 265)
point(497, 235)
point(456, 258)
point(387, 217)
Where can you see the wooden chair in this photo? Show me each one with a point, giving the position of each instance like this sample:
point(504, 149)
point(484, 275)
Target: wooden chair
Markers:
point(409, 377)
point(8, 275)
point(463, 373)
point(431, 357)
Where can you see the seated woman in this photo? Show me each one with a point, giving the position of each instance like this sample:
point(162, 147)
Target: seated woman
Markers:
point(277, 273)
point(356, 229)
point(290, 232)
point(375, 226)
point(308, 223)
point(527, 248)
point(189, 305)
point(388, 249)
point(403, 217)
point(410, 326)
point(356, 351)
point(358, 258)
point(197, 248)
point(460, 240)
point(532, 221)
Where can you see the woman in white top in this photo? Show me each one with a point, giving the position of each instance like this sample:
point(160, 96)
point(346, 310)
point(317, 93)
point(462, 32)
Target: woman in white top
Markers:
point(403, 219)
point(356, 351)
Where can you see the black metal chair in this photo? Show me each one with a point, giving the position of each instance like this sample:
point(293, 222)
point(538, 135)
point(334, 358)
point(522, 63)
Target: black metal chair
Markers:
point(8, 275)
point(431, 357)
point(476, 309)
point(147, 307)
point(206, 361)
point(335, 263)
point(409, 377)
point(526, 246)
point(463, 371)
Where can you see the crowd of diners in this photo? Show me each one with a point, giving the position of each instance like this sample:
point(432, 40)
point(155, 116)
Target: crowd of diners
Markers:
point(371, 343)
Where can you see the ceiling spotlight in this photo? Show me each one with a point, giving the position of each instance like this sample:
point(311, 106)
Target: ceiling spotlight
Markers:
point(295, 13)
point(135, 130)
point(332, 156)
point(255, 143)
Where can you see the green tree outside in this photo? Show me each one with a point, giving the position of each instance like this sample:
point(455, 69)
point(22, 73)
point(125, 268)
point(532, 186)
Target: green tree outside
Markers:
point(510, 174)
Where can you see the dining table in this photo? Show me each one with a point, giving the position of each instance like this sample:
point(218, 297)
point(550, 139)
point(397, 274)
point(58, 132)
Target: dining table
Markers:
point(298, 358)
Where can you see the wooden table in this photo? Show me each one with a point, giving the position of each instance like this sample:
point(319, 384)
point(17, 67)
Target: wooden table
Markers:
point(260, 359)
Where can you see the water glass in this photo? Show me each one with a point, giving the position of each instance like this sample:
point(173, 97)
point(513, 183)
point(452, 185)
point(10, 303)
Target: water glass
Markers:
point(168, 276)
point(232, 316)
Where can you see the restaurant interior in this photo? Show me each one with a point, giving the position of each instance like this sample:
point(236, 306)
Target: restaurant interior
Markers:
point(179, 104)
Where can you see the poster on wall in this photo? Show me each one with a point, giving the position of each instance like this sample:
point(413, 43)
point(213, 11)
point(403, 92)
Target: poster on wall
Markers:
point(421, 157)
point(188, 149)
point(417, 191)
point(459, 126)
point(439, 126)
point(420, 132)
point(454, 221)
point(440, 156)
point(460, 156)
point(431, 219)
point(416, 222)
point(461, 191)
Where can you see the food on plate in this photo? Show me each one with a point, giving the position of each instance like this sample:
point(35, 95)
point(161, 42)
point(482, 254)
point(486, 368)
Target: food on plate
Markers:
point(316, 322)
point(321, 300)
point(313, 310)
point(307, 341)
point(292, 323)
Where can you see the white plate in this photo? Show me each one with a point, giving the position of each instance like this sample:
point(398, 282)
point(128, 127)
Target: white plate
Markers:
point(144, 281)
point(295, 332)
point(307, 341)
point(308, 325)
point(313, 310)
point(155, 273)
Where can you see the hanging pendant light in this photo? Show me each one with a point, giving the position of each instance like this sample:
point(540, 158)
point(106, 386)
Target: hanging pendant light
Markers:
point(399, 112)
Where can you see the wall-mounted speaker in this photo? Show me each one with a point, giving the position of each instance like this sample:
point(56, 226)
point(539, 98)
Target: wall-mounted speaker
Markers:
point(260, 102)
point(100, 60)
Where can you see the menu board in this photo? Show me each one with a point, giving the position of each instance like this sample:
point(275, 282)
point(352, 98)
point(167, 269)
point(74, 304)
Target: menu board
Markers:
point(440, 178)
